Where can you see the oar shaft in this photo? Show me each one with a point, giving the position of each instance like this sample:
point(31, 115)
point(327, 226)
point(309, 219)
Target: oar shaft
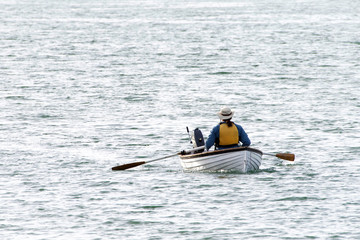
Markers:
point(193, 150)
point(269, 154)
point(157, 159)
point(173, 155)
point(135, 164)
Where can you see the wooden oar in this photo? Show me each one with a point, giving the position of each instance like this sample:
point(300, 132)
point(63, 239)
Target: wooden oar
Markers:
point(135, 164)
point(285, 156)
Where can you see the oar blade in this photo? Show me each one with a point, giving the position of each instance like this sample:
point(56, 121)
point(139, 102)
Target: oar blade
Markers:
point(127, 166)
point(286, 156)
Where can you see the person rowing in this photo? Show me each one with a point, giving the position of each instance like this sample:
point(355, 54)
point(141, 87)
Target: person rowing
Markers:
point(227, 134)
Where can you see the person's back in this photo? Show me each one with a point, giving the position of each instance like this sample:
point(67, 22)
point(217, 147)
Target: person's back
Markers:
point(227, 134)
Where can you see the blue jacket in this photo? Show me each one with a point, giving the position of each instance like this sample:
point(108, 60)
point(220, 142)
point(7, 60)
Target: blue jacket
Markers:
point(214, 134)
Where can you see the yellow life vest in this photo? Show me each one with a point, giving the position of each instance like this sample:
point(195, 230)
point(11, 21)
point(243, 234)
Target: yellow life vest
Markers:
point(228, 135)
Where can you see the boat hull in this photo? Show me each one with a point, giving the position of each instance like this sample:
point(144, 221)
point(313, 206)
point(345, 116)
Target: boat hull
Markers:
point(243, 159)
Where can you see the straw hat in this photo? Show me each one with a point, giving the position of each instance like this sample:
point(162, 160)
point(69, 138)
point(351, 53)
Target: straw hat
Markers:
point(225, 113)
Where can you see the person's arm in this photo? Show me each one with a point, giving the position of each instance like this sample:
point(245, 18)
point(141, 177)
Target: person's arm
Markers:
point(243, 137)
point(211, 138)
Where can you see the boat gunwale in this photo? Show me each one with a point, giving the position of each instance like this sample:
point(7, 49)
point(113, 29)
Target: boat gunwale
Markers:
point(215, 152)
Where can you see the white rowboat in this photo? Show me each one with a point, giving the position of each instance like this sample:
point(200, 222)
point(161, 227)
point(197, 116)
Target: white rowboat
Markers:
point(242, 159)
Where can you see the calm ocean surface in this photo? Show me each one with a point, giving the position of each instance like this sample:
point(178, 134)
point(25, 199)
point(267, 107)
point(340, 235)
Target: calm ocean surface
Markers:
point(87, 85)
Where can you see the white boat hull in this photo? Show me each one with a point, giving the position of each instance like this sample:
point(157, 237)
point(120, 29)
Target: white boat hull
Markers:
point(243, 159)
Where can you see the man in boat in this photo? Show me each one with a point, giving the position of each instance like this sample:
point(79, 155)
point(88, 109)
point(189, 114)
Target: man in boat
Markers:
point(227, 134)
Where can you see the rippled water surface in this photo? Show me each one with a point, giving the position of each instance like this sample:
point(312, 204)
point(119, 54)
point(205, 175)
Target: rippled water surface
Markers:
point(88, 85)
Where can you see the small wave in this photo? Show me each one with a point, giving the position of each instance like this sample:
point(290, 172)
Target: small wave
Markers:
point(298, 199)
point(16, 97)
point(152, 207)
point(221, 73)
point(43, 115)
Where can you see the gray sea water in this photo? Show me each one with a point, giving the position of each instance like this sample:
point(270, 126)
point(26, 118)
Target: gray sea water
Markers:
point(87, 85)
